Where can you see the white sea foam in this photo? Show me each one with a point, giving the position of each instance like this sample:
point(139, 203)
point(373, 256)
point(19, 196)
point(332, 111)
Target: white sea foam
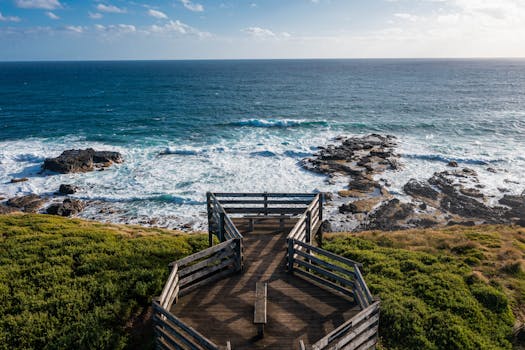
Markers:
point(165, 185)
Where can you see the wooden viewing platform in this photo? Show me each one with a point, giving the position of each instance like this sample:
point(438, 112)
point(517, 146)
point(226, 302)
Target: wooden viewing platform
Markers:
point(314, 299)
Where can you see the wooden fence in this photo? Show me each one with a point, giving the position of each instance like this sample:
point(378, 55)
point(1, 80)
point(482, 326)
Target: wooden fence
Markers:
point(188, 274)
point(312, 263)
point(328, 269)
point(360, 332)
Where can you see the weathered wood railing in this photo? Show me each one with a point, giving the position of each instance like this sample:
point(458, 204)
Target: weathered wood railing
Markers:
point(310, 262)
point(328, 269)
point(360, 332)
point(309, 222)
point(188, 274)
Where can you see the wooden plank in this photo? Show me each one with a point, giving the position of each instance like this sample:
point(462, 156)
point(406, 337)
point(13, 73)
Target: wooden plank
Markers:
point(325, 273)
point(326, 264)
point(261, 201)
point(209, 280)
point(369, 344)
point(207, 271)
point(167, 286)
point(202, 253)
point(262, 194)
point(172, 318)
point(362, 282)
point(301, 345)
point(328, 254)
point(354, 332)
point(174, 338)
point(163, 345)
point(322, 343)
point(173, 296)
point(239, 210)
point(362, 338)
point(212, 260)
point(174, 288)
point(261, 295)
point(323, 282)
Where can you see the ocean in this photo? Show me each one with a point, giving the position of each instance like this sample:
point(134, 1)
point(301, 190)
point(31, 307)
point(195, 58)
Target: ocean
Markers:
point(244, 125)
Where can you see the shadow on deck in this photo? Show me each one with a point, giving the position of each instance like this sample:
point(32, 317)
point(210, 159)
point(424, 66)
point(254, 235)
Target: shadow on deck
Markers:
point(297, 309)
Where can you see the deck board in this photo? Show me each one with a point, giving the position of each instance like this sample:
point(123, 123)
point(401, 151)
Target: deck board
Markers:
point(297, 309)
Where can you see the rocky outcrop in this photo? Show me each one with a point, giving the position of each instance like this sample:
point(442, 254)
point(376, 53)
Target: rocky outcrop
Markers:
point(419, 189)
point(16, 180)
point(29, 204)
point(391, 215)
point(67, 189)
point(68, 207)
point(78, 160)
point(4, 209)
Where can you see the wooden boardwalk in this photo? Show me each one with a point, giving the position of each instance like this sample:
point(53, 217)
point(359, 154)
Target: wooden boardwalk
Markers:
point(297, 309)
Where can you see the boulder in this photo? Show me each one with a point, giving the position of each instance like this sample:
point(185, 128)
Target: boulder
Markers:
point(22, 179)
point(360, 206)
point(469, 207)
point(78, 160)
point(67, 208)
point(389, 215)
point(471, 192)
point(453, 164)
point(29, 203)
point(4, 209)
point(420, 189)
point(67, 189)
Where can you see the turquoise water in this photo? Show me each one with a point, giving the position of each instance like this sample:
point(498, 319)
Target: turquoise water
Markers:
point(244, 125)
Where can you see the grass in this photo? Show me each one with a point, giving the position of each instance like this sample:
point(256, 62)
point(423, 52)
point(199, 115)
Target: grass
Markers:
point(452, 288)
point(68, 284)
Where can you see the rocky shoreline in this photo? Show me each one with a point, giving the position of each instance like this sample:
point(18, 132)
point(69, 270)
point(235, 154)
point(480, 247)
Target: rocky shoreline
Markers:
point(69, 161)
point(449, 197)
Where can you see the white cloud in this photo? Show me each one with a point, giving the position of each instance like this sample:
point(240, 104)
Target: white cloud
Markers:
point(74, 29)
point(179, 28)
point(407, 17)
point(110, 9)
point(264, 33)
point(38, 4)
point(52, 15)
point(157, 14)
point(116, 28)
point(9, 18)
point(95, 15)
point(192, 6)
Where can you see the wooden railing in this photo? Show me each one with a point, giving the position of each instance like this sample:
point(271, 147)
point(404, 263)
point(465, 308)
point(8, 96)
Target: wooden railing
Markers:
point(309, 222)
point(328, 269)
point(360, 332)
point(188, 274)
point(310, 262)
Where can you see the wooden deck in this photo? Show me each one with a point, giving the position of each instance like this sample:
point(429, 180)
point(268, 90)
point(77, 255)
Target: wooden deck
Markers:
point(297, 309)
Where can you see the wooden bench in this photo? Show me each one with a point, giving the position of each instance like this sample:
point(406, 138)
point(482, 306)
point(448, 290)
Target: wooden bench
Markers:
point(259, 315)
point(253, 218)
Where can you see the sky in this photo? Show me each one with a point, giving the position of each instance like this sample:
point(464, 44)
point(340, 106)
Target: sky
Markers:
point(236, 29)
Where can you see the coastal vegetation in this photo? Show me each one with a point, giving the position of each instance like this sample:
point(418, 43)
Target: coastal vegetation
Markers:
point(451, 288)
point(69, 283)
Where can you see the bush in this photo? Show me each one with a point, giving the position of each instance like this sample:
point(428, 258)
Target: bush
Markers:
point(72, 284)
point(430, 301)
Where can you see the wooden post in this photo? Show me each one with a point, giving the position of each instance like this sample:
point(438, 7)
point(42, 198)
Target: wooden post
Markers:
point(290, 255)
point(308, 227)
point(221, 227)
point(320, 231)
point(210, 217)
point(265, 203)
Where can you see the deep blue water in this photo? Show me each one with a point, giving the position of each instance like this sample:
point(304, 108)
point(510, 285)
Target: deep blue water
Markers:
point(243, 125)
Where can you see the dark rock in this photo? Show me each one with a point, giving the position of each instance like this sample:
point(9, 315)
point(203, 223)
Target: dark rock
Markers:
point(461, 223)
point(29, 203)
point(360, 206)
point(4, 209)
point(471, 192)
point(15, 180)
point(470, 208)
point(67, 208)
point(417, 189)
point(363, 184)
point(67, 189)
point(503, 190)
point(77, 160)
point(389, 214)
point(508, 181)
point(423, 222)
point(423, 206)
point(491, 170)
point(453, 164)
point(443, 182)
point(512, 201)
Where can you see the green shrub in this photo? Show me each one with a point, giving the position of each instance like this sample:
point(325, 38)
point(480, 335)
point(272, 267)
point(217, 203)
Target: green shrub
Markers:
point(430, 301)
point(71, 284)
